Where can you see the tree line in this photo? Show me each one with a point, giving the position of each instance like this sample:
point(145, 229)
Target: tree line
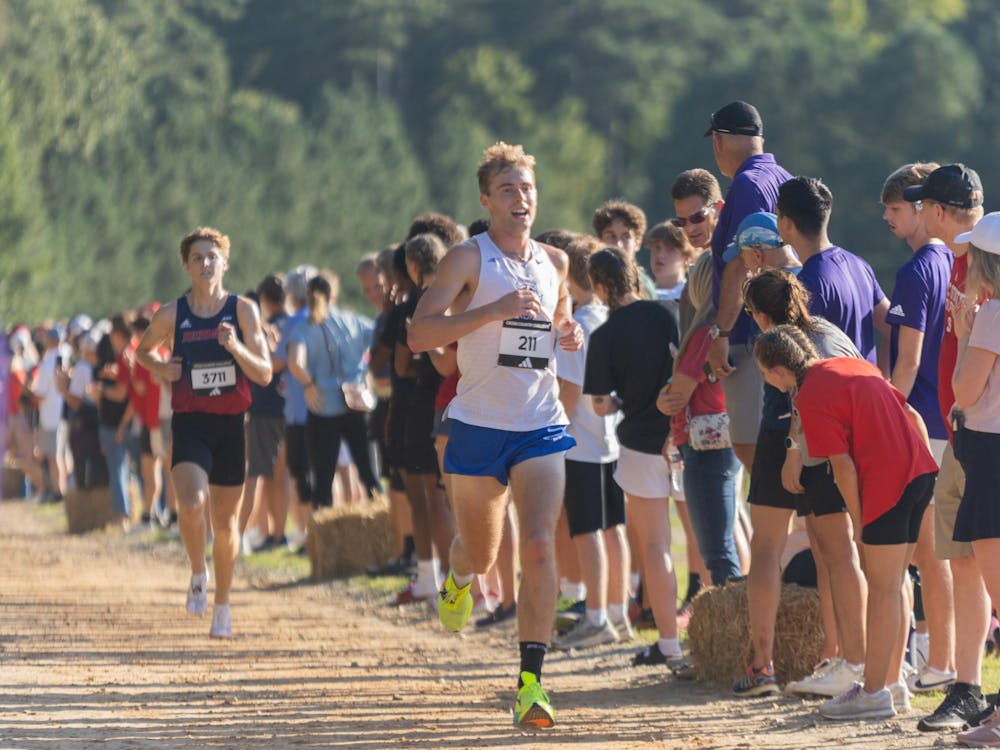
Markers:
point(314, 131)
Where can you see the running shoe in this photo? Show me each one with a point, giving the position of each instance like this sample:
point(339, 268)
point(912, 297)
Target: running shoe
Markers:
point(454, 604)
point(222, 626)
point(757, 682)
point(933, 679)
point(197, 596)
point(960, 708)
point(900, 697)
point(857, 704)
point(409, 595)
point(586, 635)
point(644, 620)
point(831, 678)
point(624, 629)
point(650, 656)
point(533, 708)
point(569, 614)
point(499, 614)
point(987, 734)
point(396, 567)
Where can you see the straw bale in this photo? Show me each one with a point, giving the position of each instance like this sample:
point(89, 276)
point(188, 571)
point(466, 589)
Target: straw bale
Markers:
point(87, 509)
point(719, 633)
point(346, 540)
point(13, 482)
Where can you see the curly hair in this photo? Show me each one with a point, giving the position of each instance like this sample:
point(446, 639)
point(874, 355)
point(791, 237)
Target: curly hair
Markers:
point(498, 158)
point(627, 213)
point(425, 251)
point(617, 272)
point(210, 234)
point(445, 227)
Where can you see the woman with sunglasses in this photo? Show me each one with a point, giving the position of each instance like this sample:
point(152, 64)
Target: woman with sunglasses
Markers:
point(880, 456)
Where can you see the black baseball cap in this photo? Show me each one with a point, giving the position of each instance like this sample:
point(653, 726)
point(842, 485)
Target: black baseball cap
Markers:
point(736, 118)
point(953, 184)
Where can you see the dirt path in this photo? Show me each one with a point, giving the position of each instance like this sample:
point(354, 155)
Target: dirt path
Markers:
point(96, 652)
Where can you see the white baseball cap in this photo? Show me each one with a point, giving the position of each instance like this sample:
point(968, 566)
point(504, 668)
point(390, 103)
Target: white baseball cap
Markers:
point(985, 235)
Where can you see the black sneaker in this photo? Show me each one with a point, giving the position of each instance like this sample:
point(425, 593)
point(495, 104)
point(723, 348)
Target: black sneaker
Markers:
point(498, 615)
point(649, 657)
point(395, 567)
point(992, 702)
point(960, 706)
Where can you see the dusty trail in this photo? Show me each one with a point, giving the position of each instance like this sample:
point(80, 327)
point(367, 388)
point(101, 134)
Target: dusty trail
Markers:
point(97, 652)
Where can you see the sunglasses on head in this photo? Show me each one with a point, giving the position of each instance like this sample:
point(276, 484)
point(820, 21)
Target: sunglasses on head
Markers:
point(696, 218)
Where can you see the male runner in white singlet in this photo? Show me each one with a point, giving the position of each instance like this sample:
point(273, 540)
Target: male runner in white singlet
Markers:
point(503, 297)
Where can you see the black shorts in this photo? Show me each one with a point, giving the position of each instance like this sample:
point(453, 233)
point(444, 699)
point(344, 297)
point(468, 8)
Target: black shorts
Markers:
point(395, 434)
point(145, 442)
point(594, 501)
point(419, 455)
point(978, 515)
point(765, 474)
point(901, 523)
point(215, 442)
point(821, 496)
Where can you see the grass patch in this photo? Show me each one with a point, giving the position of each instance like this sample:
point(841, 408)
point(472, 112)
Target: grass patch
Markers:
point(278, 559)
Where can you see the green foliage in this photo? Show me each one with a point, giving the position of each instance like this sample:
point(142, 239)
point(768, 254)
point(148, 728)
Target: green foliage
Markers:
point(314, 131)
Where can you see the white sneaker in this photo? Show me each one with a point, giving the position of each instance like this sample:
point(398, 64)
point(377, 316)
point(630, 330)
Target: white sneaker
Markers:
point(900, 697)
point(932, 679)
point(831, 678)
point(857, 704)
point(585, 635)
point(197, 596)
point(222, 626)
point(623, 628)
point(920, 646)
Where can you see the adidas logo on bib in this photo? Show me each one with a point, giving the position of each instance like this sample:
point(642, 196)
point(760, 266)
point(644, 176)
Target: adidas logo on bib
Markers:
point(186, 323)
point(215, 392)
point(526, 362)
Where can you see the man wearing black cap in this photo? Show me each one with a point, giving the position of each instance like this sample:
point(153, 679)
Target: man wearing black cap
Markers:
point(738, 144)
point(951, 202)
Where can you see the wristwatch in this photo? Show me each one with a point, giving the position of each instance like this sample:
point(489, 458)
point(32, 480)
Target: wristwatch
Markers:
point(790, 444)
point(715, 332)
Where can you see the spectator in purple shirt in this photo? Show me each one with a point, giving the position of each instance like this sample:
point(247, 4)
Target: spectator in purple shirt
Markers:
point(738, 144)
point(842, 286)
point(916, 316)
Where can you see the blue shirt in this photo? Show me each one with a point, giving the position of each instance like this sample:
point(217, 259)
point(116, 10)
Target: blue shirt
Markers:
point(754, 188)
point(918, 302)
point(776, 412)
point(845, 292)
point(292, 331)
point(336, 353)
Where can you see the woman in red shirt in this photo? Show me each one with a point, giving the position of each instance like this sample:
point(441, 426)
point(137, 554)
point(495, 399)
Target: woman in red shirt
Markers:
point(878, 449)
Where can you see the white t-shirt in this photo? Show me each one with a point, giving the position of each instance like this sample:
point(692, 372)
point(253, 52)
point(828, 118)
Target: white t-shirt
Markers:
point(596, 442)
point(83, 376)
point(984, 414)
point(50, 405)
point(669, 293)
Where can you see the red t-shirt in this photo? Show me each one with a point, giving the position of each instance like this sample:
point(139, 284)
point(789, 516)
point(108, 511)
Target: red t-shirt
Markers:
point(847, 406)
point(949, 343)
point(144, 393)
point(449, 386)
point(708, 397)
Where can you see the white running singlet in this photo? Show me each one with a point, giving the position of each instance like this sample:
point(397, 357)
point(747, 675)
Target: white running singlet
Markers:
point(521, 394)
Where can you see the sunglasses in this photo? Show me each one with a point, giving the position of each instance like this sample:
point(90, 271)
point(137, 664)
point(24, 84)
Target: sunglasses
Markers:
point(697, 217)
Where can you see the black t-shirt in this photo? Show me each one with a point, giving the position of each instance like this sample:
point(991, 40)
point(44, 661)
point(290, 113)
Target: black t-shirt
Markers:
point(630, 355)
point(427, 378)
point(110, 412)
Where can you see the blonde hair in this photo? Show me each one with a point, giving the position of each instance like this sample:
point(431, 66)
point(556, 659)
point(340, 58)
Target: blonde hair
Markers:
point(984, 270)
point(904, 177)
point(498, 158)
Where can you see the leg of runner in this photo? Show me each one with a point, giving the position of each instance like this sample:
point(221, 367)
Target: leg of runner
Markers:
point(191, 483)
point(225, 504)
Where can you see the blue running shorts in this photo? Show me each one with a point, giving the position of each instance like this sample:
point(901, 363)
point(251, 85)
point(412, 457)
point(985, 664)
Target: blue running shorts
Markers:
point(485, 452)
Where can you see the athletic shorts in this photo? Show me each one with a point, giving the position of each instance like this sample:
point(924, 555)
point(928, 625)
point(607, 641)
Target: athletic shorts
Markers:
point(744, 391)
point(948, 493)
point(52, 442)
point(442, 425)
point(594, 501)
point(979, 514)
point(643, 474)
point(484, 452)
point(419, 454)
point(395, 434)
point(901, 523)
point(821, 496)
point(264, 437)
point(765, 474)
point(215, 442)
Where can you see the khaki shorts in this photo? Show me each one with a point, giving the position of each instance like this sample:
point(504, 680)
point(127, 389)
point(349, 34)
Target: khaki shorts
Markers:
point(744, 391)
point(948, 496)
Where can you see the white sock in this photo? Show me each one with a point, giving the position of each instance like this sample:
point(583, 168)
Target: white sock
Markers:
point(669, 646)
point(633, 583)
point(616, 612)
point(871, 695)
point(575, 592)
point(597, 617)
point(438, 579)
point(425, 585)
point(854, 667)
point(462, 581)
point(201, 578)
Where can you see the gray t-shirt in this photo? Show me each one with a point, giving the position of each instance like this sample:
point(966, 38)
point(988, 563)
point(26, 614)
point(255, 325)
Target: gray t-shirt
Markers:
point(829, 341)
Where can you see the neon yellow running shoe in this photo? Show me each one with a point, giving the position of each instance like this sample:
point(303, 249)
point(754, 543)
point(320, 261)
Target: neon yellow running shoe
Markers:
point(533, 708)
point(454, 604)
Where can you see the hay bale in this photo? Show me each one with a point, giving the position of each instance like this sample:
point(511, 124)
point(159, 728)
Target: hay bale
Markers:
point(719, 633)
point(13, 482)
point(346, 540)
point(87, 510)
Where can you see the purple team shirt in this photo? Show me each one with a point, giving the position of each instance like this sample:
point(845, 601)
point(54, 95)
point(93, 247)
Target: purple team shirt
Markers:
point(918, 302)
point(844, 291)
point(754, 188)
